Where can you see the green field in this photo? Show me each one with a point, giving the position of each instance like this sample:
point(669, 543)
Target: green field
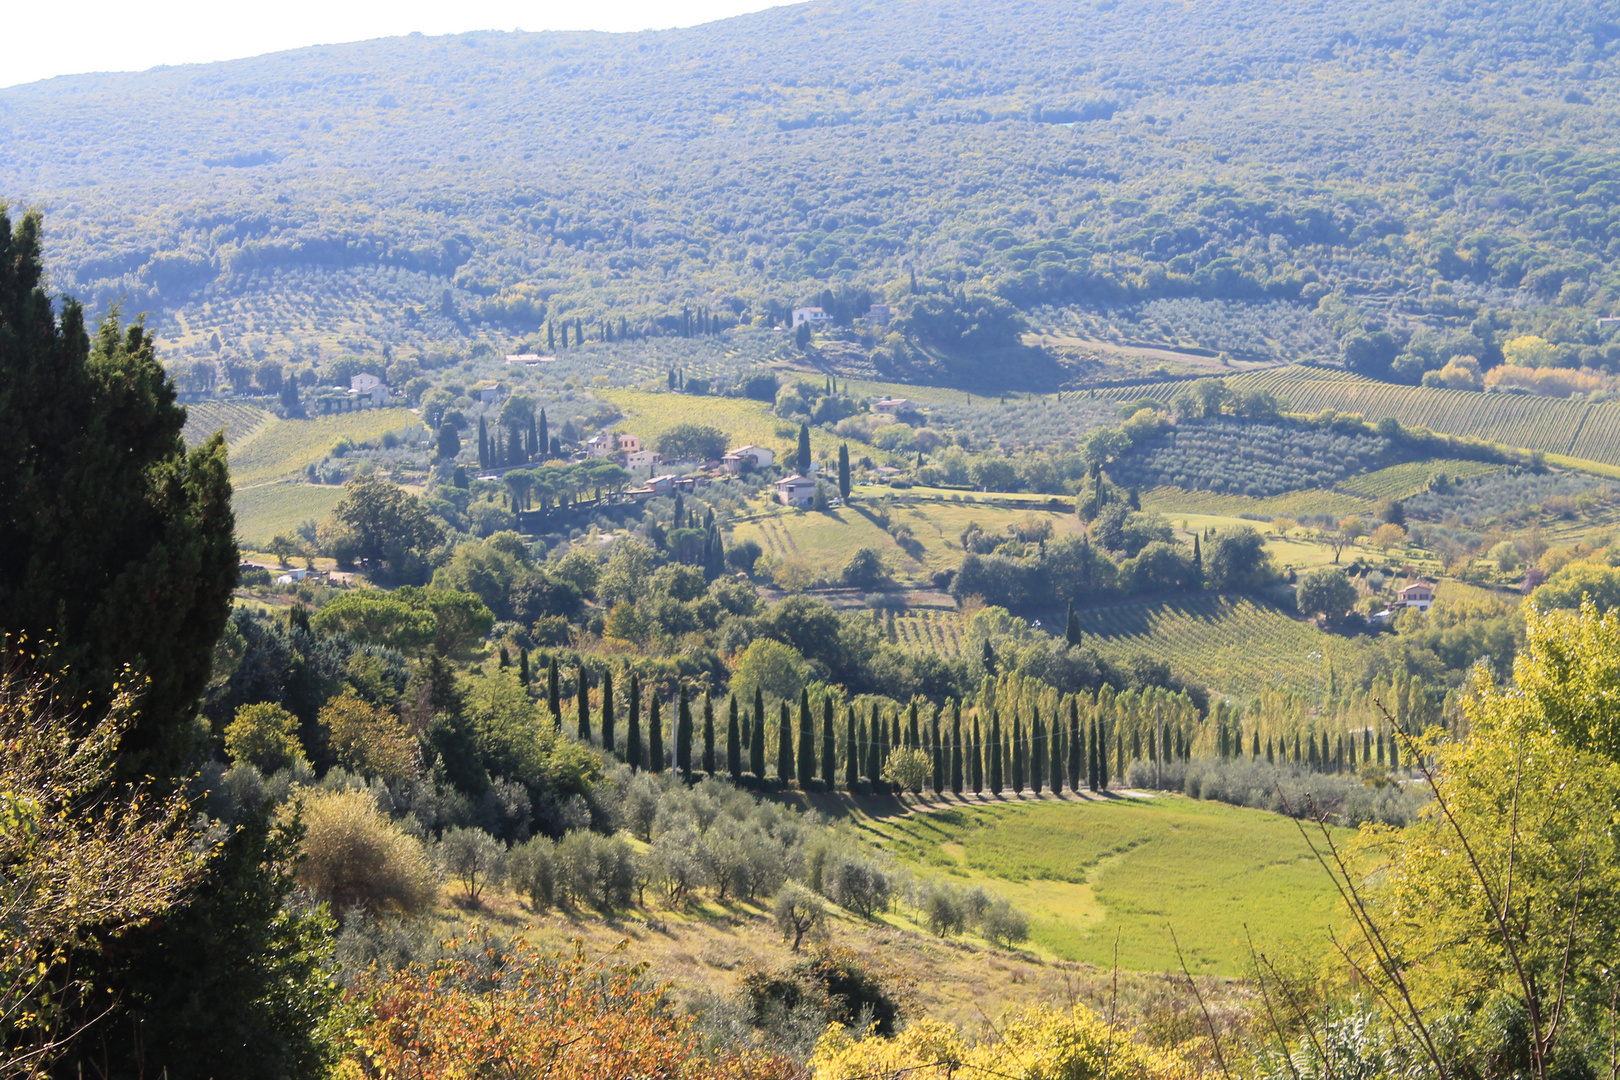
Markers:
point(1086, 871)
point(282, 448)
point(206, 417)
point(1407, 479)
point(1172, 501)
point(271, 509)
point(1231, 645)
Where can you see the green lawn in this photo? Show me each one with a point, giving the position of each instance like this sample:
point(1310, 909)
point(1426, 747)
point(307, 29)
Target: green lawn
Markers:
point(271, 509)
point(1088, 871)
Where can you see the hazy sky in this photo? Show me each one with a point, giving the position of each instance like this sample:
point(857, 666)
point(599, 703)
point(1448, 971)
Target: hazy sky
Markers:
point(98, 35)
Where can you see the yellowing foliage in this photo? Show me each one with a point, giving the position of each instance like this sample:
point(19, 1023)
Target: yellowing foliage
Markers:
point(1042, 1043)
point(1551, 381)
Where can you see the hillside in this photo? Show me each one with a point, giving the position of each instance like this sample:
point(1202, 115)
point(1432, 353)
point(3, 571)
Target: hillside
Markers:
point(1197, 174)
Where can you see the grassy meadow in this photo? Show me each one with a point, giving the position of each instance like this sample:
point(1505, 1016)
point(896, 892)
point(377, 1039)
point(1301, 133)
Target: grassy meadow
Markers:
point(273, 509)
point(1090, 872)
point(282, 448)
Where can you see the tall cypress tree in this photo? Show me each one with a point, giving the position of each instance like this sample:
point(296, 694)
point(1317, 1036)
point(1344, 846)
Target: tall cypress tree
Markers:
point(976, 760)
point(708, 735)
point(829, 744)
point(807, 742)
point(1117, 768)
point(802, 459)
point(483, 444)
point(941, 762)
point(1054, 760)
point(655, 736)
point(1020, 755)
point(1091, 757)
point(632, 728)
point(957, 779)
point(756, 739)
point(913, 735)
point(876, 750)
point(734, 744)
point(582, 698)
point(523, 667)
point(1037, 752)
point(1077, 747)
point(683, 736)
point(1071, 632)
point(994, 751)
point(843, 472)
point(852, 747)
point(784, 745)
point(607, 711)
point(554, 693)
point(544, 434)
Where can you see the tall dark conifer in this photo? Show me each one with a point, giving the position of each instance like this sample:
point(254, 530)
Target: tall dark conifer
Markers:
point(829, 743)
point(607, 711)
point(1077, 748)
point(734, 744)
point(1020, 757)
point(852, 752)
point(683, 736)
point(756, 739)
point(632, 727)
point(582, 699)
point(976, 759)
point(843, 472)
point(655, 736)
point(554, 693)
point(941, 755)
point(709, 764)
point(784, 745)
point(807, 742)
point(802, 460)
point(1054, 760)
point(957, 778)
point(993, 751)
point(1037, 752)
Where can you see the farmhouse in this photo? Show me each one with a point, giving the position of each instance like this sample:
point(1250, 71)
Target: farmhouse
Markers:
point(1419, 594)
point(813, 315)
point(796, 490)
point(889, 406)
point(643, 459)
point(609, 443)
point(489, 392)
point(878, 315)
point(757, 456)
point(369, 386)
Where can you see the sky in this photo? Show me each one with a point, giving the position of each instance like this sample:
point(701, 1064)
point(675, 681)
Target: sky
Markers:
point(117, 35)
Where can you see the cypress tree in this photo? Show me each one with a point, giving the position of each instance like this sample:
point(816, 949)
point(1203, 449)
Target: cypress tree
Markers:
point(913, 735)
point(875, 748)
point(1254, 748)
point(843, 471)
point(941, 764)
point(1092, 770)
point(708, 735)
point(683, 736)
point(734, 744)
point(1077, 747)
point(607, 711)
point(632, 727)
point(829, 744)
point(994, 752)
point(756, 742)
point(1394, 754)
point(976, 760)
point(802, 459)
point(582, 698)
point(957, 779)
point(1297, 759)
point(1038, 753)
point(554, 693)
point(807, 742)
point(1020, 757)
point(523, 667)
point(544, 435)
point(784, 745)
point(483, 444)
point(655, 736)
point(896, 740)
point(1054, 759)
point(1117, 768)
point(852, 758)
point(1071, 633)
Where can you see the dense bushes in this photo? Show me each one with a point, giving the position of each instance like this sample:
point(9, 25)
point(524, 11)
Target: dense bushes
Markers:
point(1286, 789)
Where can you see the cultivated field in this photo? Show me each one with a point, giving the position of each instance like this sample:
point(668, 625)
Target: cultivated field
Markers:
point(282, 448)
point(206, 417)
point(1174, 501)
point(1090, 872)
point(272, 509)
point(1409, 478)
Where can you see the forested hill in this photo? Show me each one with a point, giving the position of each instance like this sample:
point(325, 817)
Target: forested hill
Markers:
point(1421, 158)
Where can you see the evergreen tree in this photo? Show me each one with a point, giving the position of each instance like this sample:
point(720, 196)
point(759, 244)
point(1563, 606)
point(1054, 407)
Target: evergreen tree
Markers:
point(683, 737)
point(829, 744)
point(807, 742)
point(865, 745)
point(941, 756)
point(655, 736)
point(523, 667)
point(483, 444)
point(852, 746)
point(995, 752)
point(1037, 752)
point(843, 472)
point(1254, 749)
point(1077, 748)
point(582, 700)
point(802, 460)
point(957, 779)
point(1093, 769)
point(709, 764)
point(1198, 560)
point(976, 760)
point(1054, 757)
point(1019, 755)
point(877, 752)
point(1118, 766)
point(913, 735)
point(1072, 632)
point(756, 741)
point(543, 433)
point(733, 742)
point(607, 711)
point(554, 693)
point(632, 729)
point(784, 745)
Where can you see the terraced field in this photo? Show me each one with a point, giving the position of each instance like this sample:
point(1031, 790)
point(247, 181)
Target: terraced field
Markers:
point(1234, 646)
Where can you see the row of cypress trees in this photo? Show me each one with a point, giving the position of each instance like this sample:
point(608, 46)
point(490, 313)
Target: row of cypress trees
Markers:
point(809, 752)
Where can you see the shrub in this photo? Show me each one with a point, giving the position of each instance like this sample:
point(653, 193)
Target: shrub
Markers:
point(595, 870)
point(473, 859)
point(798, 912)
point(263, 735)
point(532, 870)
point(367, 739)
point(355, 858)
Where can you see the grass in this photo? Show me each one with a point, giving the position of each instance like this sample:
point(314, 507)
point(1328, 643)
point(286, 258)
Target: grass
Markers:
point(1231, 645)
point(1090, 872)
point(279, 449)
point(271, 509)
point(1174, 501)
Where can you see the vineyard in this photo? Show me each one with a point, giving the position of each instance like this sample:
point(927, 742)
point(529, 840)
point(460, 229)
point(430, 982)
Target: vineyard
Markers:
point(278, 509)
point(206, 417)
point(282, 448)
point(1171, 501)
point(1235, 646)
point(1411, 477)
point(1242, 458)
point(926, 631)
point(1576, 429)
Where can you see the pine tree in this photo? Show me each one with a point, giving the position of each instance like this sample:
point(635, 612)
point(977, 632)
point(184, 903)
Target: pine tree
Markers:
point(829, 744)
point(995, 752)
point(582, 698)
point(784, 745)
point(607, 711)
point(632, 727)
point(1020, 755)
point(683, 736)
point(733, 743)
point(957, 778)
point(843, 472)
point(852, 746)
point(802, 459)
point(1072, 632)
point(756, 740)
point(807, 742)
point(708, 735)
point(1077, 748)
point(554, 693)
point(655, 736)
